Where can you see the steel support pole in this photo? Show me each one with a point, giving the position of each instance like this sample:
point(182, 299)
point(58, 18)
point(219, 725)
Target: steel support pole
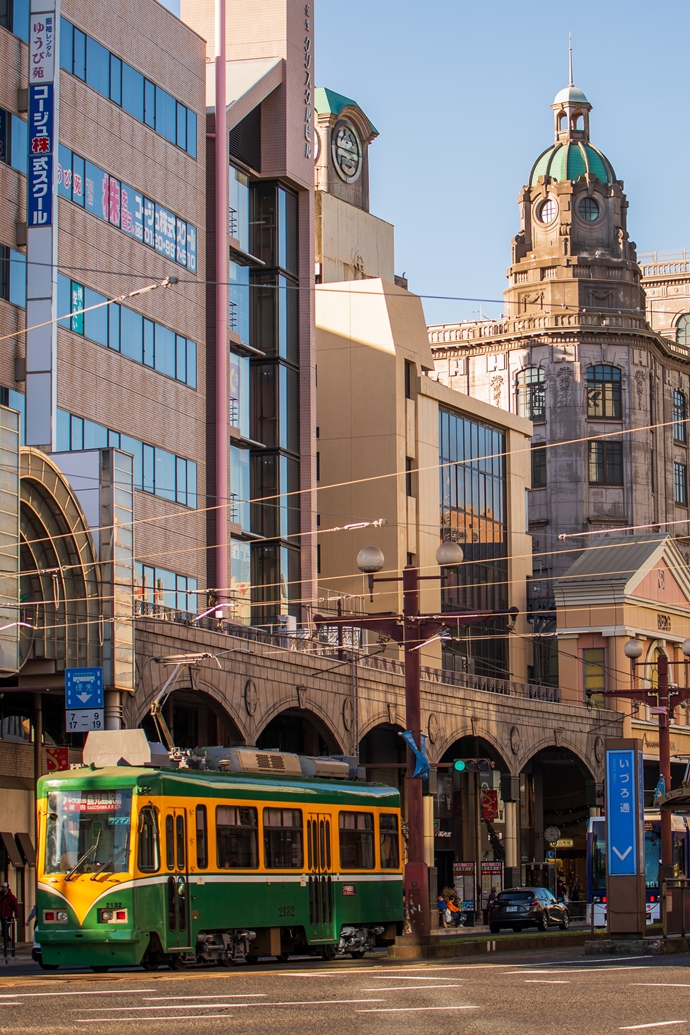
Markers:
point(666, 867)
point(416, 870)
point(222, 465)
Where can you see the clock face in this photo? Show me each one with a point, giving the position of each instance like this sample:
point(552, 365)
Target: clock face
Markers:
point(347, 151)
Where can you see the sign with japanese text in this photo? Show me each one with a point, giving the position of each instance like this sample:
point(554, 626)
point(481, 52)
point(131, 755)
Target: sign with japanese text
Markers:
point(42, 46)
point(623, 813)
point(465, 881)
point(41, 143)
point(492, 877)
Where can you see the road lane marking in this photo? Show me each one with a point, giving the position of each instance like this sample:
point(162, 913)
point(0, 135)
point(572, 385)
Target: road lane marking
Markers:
point(226, 1006)
point(417, 1009)
point(234, 995)
point(113, 991)
point(142, 1020)
point(417, 988)
point(661, 984)
point(545, 981)
point(574, 970)
point(654, 1024)
point(397, 977)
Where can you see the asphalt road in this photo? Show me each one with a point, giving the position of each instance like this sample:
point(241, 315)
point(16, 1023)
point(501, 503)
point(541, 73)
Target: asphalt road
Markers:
point(559, 993)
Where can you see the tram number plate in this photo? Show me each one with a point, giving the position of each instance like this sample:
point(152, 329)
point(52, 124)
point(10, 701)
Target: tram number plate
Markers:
point(286, 910)
point(511, 909)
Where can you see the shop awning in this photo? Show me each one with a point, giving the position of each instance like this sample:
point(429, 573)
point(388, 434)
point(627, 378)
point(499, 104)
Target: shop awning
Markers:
point(26, 848)
point(11, 848)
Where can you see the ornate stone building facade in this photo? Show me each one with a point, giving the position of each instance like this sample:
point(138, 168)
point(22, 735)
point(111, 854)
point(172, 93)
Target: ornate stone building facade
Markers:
point(575, 352)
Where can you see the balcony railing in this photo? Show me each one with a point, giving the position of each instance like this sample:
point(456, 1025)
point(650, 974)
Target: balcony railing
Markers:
point(493, 685)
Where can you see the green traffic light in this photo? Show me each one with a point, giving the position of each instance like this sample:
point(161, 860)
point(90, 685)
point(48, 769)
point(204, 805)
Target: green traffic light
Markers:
point(460, 765)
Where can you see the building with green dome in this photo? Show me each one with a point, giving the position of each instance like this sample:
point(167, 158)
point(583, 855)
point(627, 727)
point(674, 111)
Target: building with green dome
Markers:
point(575, 352)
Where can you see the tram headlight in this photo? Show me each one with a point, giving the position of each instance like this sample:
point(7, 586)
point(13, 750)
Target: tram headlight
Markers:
point(112, 916)
point(55, 916)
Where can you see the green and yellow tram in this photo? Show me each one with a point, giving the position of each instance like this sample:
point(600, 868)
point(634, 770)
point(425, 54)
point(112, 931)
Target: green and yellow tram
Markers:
point(150, 866)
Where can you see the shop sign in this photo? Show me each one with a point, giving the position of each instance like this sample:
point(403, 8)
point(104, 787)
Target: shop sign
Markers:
point(465, 882)
point(492, 877)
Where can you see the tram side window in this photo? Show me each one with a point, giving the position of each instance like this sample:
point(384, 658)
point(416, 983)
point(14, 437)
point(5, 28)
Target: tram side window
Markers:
point(170, 842)
point(390, 845)
point(201, 838)
point(149, 854)
point(237, 846)
point(283, 839)
point(356, 840)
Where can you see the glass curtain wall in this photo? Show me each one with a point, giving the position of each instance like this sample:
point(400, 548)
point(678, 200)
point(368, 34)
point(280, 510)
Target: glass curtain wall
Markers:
point(274, 404)
point(473, 514)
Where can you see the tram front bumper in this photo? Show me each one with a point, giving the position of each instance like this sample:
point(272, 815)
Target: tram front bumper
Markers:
point(119, 935)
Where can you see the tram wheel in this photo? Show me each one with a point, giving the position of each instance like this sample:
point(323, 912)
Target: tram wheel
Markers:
point(177, 962)
point(358, 955)
point(100, 970)
point(328, 952)
point(48, 966)
point(283, 957)
point(150, 964)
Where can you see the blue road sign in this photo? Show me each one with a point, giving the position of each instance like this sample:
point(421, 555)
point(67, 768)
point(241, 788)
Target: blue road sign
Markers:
point(622, 814)
point(83, 688)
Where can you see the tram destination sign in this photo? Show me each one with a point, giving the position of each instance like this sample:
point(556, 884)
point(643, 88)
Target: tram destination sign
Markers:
point(623, 813)
point(84, 704)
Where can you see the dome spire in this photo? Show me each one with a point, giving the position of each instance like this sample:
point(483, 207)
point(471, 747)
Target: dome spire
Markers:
point(570, 60)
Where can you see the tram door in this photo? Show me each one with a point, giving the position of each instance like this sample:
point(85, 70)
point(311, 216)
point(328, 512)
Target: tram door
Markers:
point(178, 884)
point(319, 865)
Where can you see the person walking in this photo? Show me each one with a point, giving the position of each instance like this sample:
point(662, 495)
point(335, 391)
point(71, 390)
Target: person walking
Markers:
point(8, 912)
point(442, 911)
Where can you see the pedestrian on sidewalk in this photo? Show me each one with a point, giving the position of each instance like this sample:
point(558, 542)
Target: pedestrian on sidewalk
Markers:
point(8, 911)
point(455, 913)
point(442, 908)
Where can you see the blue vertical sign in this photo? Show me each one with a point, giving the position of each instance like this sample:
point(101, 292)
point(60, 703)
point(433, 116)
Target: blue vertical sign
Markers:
point(622, 814)
point(41, 145)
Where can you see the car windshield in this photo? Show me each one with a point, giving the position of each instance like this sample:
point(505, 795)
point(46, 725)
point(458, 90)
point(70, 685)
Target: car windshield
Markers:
point(516, 896)
point(88, 831)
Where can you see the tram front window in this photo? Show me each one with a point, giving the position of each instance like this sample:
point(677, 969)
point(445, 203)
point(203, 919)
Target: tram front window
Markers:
point(88, 831)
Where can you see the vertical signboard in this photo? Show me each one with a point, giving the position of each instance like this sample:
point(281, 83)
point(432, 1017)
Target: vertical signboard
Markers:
point(625, 871)
point(41, 235)
point(465, 881)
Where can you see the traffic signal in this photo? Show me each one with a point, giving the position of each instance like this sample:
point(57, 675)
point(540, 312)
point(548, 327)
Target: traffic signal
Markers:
point(472, 765)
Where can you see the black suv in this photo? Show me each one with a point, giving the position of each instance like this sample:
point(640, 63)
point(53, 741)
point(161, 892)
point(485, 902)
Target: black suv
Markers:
point(521, 907)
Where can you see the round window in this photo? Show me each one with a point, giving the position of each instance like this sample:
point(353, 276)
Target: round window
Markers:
point(588, 209)
point(547, 213)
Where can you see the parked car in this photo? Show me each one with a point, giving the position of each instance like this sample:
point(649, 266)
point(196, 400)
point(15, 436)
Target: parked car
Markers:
point(523, 907)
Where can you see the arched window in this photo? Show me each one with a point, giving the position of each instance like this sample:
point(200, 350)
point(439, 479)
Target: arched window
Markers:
point(683, 330)
point(604, 391)
point(679, 416)
point(531, 389)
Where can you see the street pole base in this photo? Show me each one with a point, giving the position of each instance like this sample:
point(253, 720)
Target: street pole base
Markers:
point(417, 898)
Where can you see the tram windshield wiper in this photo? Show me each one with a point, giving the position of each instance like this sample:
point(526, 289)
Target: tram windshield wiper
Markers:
point(87, 853)
point(111, 860)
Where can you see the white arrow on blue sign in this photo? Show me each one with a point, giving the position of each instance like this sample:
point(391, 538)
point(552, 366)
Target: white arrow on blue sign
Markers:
point(83, 688)
point(622, 813)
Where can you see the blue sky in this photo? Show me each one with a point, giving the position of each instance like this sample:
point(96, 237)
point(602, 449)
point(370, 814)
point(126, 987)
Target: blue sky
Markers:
point(460, 93)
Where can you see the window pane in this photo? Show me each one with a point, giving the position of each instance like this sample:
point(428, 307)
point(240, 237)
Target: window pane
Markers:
point(180, 358)
point(191, 133)
point(165, 350)
point(96, 191)
point(113, 311)
point(77, 180)
point(133, 446)
point(148, 342)
point(283, 839)
point(17, 278)
point(149, 223)
point(181, 242)
point(131, 335)
point(149, 104)
point(149, 856)
point(20, 19)
point(191, 363)
point(95, 435)
point(66, 41)
point(148, 481)
point(115, 79)
point(166, 232)
point(201, 838)
point(63, 431)
point(356, 840)
point(77, 308)
point(236, 838)
point(165, 474)
point(64, 300)
point(133, 91)
point(181, 126)
point(64, 172)
point(79, 66)
point(96, 321)
point(191, 484)
point(114, 201)
point(181, 480)
point(18, 152)
point(191, 248)
point(239, 301)
point(390, 845)
point(77, 433)
point(97, 67)
point(166, 116)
